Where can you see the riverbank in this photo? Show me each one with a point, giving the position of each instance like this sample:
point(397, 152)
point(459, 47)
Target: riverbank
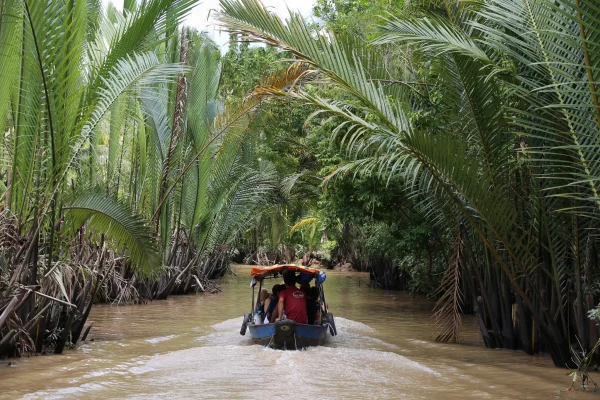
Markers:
point(190, 347)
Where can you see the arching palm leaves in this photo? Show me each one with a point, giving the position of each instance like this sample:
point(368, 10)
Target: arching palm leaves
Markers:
point(104, 215)
point(58, 104)
point(511, 84)
point(69, 71)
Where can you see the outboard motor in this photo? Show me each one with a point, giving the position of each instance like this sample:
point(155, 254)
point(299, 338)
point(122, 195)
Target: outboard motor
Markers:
point(247, 318)
point(331, 322)
point(285, 328)
point(285, 332)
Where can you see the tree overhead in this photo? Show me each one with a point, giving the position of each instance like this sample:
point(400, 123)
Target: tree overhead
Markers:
point(126, 177)
point(510, 171)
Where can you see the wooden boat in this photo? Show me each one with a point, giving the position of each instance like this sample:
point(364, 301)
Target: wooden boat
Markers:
point(287, 334)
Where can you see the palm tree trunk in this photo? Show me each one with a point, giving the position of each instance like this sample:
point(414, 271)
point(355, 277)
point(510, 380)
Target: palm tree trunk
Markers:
point(178, 122)
point(591, 263)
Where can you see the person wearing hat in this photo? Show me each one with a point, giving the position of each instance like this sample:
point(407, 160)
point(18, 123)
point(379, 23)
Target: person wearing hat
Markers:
point(292, 300)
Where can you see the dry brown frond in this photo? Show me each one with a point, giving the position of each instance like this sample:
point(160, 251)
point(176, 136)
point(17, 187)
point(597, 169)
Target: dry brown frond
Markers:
point(448, 309)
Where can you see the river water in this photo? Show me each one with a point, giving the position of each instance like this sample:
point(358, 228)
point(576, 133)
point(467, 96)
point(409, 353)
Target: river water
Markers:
point(190, 347)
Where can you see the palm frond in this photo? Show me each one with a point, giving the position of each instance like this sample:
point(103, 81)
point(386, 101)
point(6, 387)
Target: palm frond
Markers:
point(448, 309)
point(341, 63)
point(144, 69)
point(432, 34)
point(556, 66)
point(304, 223)
point(9, 59)
point(141, 31)
point(122, 228)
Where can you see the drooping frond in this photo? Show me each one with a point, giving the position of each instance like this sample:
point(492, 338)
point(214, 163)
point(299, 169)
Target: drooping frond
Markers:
point(114, 219)
point(431, 34)
point(281, 81)
point(343, 63)
point(304, 223)
point(556, 56)
point(448, 309)
point(144, 69)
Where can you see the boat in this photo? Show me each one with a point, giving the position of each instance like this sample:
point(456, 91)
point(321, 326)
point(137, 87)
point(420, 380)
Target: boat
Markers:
point(287, 334)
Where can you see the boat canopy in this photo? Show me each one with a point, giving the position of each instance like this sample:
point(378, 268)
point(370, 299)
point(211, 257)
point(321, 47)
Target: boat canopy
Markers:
point(261, 272)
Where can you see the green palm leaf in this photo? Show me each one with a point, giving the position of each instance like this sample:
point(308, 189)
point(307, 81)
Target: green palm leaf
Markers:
point(144, 70)
point(104, 215)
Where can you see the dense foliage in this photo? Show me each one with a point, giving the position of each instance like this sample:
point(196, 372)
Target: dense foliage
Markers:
point(448, 148)
point(125, 175)
point(371, 224)
point(485, 114)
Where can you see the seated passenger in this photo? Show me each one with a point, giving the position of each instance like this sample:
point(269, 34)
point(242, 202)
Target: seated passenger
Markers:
point(304, 280)
point(275, 304)
point(316, 299)
point(264, 296)
point(292, 300)
point(265, 303)
point(271, 303)
point(312, 305)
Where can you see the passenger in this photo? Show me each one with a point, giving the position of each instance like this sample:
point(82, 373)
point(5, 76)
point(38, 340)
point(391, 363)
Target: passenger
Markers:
point(275, 312)
point(312, 298)
point(315, 303)
point(271, 303)
point(292, 300)
point(306, 287)
point(304, 280)
point(265, 303)
point(264, 296)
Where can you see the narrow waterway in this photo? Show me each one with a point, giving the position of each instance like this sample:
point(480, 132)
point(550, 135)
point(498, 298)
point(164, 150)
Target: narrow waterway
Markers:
point(190, 347)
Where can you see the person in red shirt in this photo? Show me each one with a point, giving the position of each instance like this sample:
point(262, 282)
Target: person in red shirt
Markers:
point(292, 300)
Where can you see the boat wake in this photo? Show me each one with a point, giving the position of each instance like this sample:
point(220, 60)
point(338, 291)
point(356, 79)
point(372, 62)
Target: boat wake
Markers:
point(351, 334)
point(225, 364)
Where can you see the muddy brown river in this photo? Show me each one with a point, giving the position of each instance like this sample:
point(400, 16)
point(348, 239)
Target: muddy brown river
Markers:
point(190, 347)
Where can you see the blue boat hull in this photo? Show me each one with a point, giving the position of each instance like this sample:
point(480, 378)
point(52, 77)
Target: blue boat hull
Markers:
point(288, 334)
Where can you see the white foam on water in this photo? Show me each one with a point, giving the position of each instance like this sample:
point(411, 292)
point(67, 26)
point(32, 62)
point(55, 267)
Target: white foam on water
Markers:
point(70, 392)
point(161, 339)
point(349, 325)
point(228, 365)
point(351, 334)
point(228, 324)
point(141, 370)
point(258, 372)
